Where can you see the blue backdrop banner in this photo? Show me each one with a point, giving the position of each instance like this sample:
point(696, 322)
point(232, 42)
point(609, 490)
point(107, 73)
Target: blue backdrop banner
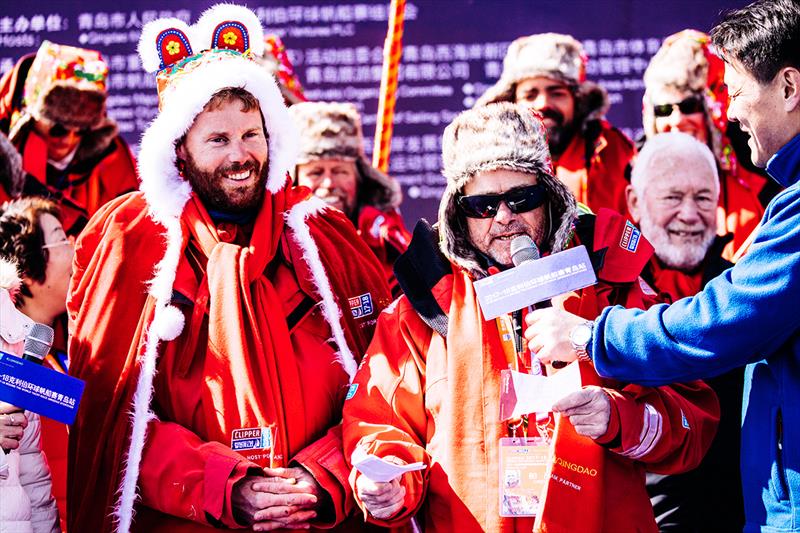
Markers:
point(452, 51)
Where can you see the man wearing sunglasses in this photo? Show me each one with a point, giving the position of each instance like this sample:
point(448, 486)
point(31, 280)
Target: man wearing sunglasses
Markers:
point(747, 316)
point(684, 91)
point(429, 387)
point(548, 73)
point(53, 109)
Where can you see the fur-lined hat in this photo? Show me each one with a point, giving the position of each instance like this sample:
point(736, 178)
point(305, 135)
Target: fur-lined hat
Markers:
point(492, 137)
point(687, 64)
point(552, 55)
point(332, 130)
point(67, 85)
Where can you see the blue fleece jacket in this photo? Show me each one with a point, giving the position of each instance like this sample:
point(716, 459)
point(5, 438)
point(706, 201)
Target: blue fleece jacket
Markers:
point(749, 315)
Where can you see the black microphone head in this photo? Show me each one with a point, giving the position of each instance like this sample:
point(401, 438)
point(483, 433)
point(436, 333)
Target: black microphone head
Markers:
point(523, 249)
point(38, 342)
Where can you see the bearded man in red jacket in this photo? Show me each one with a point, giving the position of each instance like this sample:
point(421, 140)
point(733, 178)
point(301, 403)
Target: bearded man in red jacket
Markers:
point(223, 306)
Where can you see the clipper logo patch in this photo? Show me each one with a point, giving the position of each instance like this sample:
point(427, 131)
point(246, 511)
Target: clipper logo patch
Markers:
point(684, 421)
point(351, 391)
point(630, 237)
point(361, 306)
point(251, 439)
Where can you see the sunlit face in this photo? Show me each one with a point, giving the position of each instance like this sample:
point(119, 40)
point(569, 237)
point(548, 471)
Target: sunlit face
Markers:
point(677, 209)
point(493, 236)
point(59, 264)
point(555, 101)
point(693, 124)
point(759, 111)
point(333, 180)
point(225, 152)
point(61, 141)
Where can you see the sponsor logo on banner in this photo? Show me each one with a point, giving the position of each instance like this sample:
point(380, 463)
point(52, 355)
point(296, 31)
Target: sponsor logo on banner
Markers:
point(361, 306)
point(251, 439)
point(630, 237)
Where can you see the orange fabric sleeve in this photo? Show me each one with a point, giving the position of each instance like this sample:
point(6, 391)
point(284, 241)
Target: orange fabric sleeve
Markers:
point(386, 413)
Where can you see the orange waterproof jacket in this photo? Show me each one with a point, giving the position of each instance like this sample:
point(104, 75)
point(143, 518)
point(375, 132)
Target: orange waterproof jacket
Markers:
point(594, 170)
point(204, 391)
point(422, 396)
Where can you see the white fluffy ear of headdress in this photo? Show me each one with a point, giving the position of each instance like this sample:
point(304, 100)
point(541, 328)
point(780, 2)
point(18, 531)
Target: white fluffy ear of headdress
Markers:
point(149, 48)
point(203, 29)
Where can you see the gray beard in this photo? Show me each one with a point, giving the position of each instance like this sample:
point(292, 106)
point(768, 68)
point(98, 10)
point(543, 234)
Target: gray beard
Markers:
point(686, 257)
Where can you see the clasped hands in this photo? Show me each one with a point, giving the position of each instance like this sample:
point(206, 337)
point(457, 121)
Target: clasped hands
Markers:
point(281, 498)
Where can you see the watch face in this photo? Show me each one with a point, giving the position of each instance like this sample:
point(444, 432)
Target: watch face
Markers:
point(581, 335)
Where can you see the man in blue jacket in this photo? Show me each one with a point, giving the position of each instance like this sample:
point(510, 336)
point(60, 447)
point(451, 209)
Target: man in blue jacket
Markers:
point(749, 314)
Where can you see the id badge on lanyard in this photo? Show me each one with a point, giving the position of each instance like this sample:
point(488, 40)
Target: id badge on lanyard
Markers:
point(522, 468)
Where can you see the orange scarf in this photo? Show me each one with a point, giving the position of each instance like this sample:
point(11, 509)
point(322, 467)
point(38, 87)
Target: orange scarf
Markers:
point(474, 432)
point(248, 344)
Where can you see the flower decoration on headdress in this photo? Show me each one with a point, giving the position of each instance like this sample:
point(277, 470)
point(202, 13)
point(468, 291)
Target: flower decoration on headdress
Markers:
point(230, 38)
point(173, 47)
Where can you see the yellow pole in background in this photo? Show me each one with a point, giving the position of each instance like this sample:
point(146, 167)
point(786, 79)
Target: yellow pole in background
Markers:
point(392, 51)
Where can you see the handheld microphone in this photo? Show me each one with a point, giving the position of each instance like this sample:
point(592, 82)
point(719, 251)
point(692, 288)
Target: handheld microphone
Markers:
point(38, 343)
point(523, 249)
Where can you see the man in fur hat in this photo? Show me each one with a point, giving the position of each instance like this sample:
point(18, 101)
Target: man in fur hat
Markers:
point(53, 109)
point(332, 163)
point(685, 91)
point(429, 387)
point(547, 71)
point(673, 197)
point(223, 307)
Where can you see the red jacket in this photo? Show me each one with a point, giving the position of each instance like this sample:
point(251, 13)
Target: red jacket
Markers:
point(422, 396)
point(188, 468)
point(595, 172)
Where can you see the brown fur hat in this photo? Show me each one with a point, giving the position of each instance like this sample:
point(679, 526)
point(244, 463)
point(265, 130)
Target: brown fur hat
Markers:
point(332, 130)
point(552, 55)
point(492, 137)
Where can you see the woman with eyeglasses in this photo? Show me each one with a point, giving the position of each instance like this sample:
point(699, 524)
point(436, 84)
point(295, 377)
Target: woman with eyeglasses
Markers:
point(684, 91)
point(32, 236)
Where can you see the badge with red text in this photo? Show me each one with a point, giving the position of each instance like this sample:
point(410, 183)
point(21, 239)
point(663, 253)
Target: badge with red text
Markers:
point(523, 466)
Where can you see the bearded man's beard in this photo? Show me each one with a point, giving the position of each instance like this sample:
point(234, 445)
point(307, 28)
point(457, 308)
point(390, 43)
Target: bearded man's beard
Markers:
point(685, 257)
point(219, 194)
point(559, 135)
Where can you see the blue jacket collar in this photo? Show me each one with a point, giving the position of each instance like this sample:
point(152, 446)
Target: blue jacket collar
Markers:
point(784, 166)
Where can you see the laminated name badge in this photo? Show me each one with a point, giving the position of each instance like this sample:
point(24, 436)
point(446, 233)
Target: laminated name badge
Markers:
point(39, 389)
point(523, 466)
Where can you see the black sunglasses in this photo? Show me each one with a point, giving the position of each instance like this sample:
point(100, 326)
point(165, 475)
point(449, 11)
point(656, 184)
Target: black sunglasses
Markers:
point(59, 130)
point(692, 104)
point(520, 200)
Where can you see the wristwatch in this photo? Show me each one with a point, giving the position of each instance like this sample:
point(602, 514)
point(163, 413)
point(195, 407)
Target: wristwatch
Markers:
point(580, 337)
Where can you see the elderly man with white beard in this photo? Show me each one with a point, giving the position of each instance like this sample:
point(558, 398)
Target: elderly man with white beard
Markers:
point(673, 197)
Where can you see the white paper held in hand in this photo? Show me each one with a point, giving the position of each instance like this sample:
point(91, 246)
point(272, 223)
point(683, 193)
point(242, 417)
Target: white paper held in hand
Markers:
point(381, 470)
